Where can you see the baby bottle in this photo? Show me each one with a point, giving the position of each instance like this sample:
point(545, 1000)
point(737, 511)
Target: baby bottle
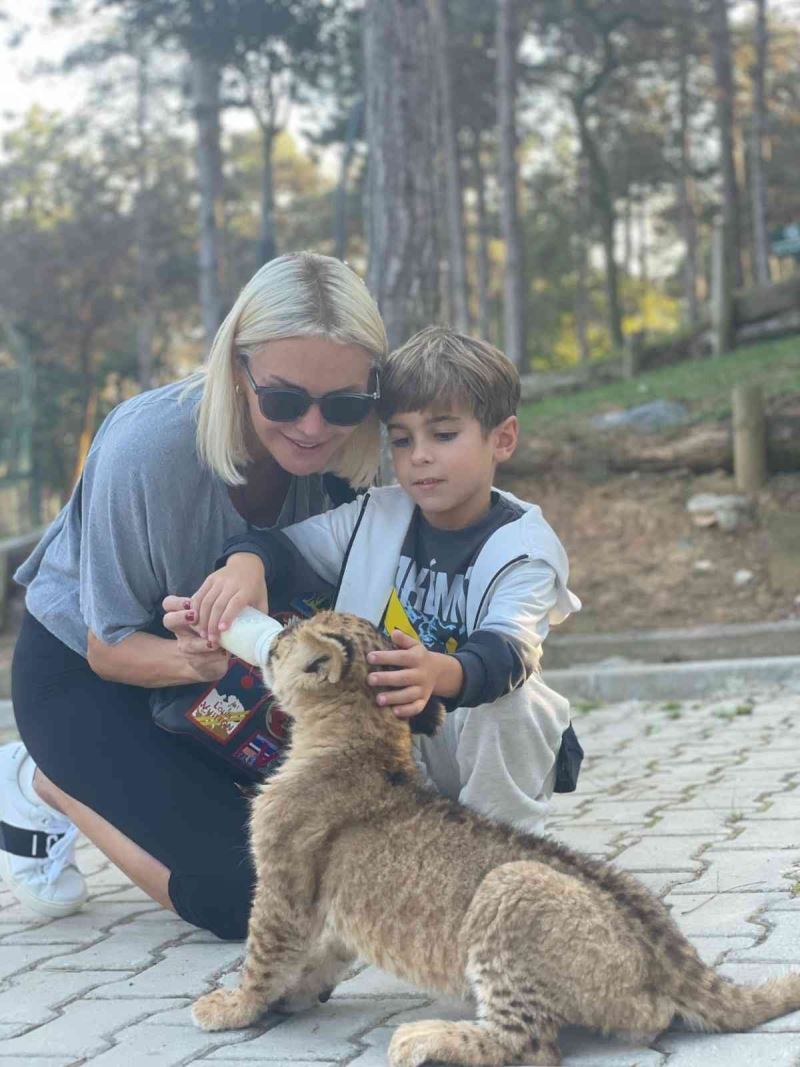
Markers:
point(250, 635)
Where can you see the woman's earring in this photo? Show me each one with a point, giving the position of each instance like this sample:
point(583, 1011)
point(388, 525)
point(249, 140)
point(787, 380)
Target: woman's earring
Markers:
point(238, 389)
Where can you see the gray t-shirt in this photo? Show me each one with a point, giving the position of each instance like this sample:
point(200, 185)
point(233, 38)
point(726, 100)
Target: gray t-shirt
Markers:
point(147, 518)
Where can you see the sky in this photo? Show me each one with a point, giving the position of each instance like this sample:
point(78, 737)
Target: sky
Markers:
point(23, 82)
point(20, 85)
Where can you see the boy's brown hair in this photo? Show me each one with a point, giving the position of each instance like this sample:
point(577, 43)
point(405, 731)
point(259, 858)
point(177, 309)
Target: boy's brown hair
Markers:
point(439, 367)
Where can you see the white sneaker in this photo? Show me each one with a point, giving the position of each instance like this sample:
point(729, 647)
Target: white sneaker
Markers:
point(37, 846)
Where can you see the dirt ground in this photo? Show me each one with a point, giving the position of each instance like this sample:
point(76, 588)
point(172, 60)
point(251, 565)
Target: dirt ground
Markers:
point(633, 549)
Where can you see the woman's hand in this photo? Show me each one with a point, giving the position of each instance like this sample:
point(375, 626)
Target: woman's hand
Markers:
point(204, 661)
point(237, 585)
point(421, 675)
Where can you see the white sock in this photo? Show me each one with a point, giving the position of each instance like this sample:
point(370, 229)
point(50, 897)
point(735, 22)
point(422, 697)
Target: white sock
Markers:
point(27, 770)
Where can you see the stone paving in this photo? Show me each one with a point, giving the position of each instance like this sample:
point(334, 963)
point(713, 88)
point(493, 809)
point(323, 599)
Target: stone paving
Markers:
point(700, 799)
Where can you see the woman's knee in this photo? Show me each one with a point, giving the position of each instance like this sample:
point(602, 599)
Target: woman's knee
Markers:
point(220, 904)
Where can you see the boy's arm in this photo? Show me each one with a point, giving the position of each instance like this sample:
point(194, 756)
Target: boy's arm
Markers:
point(502, 653)
point(498, 656)
point(269, 545)
point(259, 561)
point(321, 540)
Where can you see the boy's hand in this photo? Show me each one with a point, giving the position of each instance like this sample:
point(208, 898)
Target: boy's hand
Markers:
point(421, 674)
point(237, 585)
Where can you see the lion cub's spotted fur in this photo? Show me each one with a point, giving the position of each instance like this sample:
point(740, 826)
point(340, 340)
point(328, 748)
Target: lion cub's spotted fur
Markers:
point(355, 859)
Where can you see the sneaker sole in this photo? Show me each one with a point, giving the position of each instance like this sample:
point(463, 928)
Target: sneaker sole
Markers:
point(51, 909)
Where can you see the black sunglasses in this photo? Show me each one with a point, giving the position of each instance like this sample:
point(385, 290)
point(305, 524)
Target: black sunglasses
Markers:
point(287, 403)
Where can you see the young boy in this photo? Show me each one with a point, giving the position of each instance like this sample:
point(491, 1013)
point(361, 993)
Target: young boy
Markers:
point(465, 579)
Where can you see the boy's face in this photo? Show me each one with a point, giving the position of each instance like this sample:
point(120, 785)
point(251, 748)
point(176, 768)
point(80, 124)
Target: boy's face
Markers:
point(445, 462)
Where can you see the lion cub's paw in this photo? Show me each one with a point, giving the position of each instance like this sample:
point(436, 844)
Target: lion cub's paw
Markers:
point(416, 1043)
point(301, 1000)
point(225, 1009)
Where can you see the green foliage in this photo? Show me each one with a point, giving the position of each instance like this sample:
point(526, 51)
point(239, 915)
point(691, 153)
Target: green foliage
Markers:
point(704, 385)
point(585, 706)
point(302, 209)
point(596, 79)
point(68, 274)
point(728, 714)
point(219, 29)
point(673, 708)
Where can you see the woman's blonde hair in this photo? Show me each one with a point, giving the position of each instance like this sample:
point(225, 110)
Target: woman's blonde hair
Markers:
point(301, 294)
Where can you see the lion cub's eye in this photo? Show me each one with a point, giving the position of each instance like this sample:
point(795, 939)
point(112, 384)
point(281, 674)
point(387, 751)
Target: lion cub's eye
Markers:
point(315, 665)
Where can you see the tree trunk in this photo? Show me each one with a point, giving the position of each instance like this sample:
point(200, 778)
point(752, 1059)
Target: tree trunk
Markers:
point(445, 277)
point(401, 224)
point(511, 228)
point(267, 245)
point(643, 237)
point(608, 228)
point(86, 434)
point(482, 250)
point(723, 329)
point(627, 235)
point(452, 170)
point(354, 123)
point(686, 184)
point(581, 247)
point(145, 317)
point(758, 189)
point(719, 33)
point(205, 76)
point(88, 390)
point(604, 203)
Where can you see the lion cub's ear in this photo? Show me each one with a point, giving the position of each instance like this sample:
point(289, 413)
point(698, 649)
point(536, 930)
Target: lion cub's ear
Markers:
point(325, 654)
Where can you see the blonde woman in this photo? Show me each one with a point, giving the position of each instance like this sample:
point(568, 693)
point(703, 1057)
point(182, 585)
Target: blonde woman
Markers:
point(288, 394)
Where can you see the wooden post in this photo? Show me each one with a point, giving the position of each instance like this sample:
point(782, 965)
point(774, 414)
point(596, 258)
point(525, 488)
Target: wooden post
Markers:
point(749, 438)
point(721, 289)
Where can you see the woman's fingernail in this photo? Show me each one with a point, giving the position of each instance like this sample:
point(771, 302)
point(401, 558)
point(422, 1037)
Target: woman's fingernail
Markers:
point(190, 616)
point(223, 626)
point(187, 603)
point(381, 699)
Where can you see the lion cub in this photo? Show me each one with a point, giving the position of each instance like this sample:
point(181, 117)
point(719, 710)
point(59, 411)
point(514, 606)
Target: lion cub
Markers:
point(356, 859)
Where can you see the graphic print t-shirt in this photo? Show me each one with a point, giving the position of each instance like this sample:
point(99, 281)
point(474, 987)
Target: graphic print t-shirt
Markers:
point(430, 596)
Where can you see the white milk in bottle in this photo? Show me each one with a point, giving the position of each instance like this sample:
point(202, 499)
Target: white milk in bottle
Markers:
point(250, 635)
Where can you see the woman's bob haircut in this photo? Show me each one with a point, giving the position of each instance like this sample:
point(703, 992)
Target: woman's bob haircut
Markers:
point(301, 294)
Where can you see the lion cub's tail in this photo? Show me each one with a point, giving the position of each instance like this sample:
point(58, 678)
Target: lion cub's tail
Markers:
point(706, 1001)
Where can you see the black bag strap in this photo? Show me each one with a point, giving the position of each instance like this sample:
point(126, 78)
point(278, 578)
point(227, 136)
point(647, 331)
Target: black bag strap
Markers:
point(32, 844)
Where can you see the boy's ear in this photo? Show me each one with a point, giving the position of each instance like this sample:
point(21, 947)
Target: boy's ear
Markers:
point(506, 435)
point(326, 655)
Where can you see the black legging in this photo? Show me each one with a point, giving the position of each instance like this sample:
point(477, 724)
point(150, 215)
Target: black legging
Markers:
point(96, 741)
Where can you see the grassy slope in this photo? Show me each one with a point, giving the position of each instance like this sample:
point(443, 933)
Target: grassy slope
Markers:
point(703, 385)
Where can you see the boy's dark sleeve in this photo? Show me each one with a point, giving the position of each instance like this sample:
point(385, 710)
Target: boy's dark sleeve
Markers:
point(506, 649)
point(493, 665)
point(286, 572)
point(272, 547)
